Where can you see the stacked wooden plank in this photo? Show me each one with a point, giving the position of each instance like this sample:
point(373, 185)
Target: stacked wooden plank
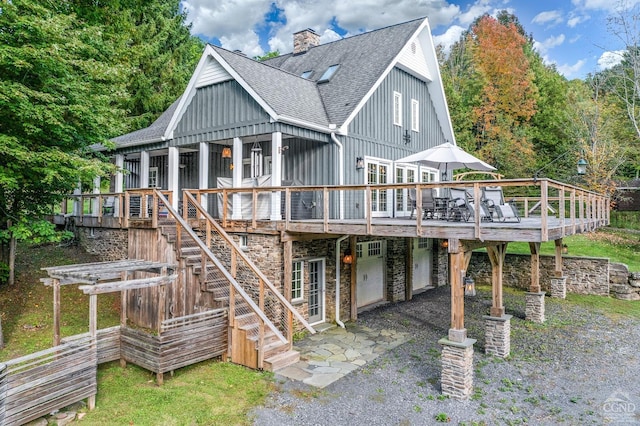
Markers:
point(48, 380)
point(182, 341)
point(108, 343)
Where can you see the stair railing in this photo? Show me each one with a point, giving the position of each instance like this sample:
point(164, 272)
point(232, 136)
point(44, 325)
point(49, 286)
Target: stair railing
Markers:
point(277, 307)
point(182, 230)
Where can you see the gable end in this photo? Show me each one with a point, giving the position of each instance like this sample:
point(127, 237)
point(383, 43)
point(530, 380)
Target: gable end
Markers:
point(212, 73)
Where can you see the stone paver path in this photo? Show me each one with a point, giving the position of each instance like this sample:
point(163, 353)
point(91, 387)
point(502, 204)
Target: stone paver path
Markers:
point(335, 352)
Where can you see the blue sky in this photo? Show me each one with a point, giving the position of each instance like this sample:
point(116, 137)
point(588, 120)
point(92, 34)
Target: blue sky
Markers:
point(572, 34)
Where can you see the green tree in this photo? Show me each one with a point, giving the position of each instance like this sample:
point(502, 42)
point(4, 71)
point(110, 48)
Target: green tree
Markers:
point(151, 39)
point(59, 94)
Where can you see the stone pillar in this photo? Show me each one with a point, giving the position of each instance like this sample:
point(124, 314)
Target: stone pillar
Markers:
point(457, 368)
point(534, 310)
point(559, 287)
point(497, 331)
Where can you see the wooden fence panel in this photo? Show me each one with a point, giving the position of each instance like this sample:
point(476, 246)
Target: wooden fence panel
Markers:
point(108, 343)
point(182, 341)
point(48, 380)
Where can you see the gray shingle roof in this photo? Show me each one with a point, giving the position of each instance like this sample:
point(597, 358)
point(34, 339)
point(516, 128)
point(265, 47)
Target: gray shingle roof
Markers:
point(285, 93)
point(362, 58)
point(153, 133)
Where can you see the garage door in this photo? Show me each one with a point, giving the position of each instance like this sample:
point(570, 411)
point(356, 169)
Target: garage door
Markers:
point(422, 263)
point(371, 267)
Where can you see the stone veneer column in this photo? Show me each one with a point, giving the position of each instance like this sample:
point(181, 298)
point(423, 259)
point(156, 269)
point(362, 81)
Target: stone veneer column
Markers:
point(559, 287)
point(534, 310)
point(497, 331)
point(457, 368)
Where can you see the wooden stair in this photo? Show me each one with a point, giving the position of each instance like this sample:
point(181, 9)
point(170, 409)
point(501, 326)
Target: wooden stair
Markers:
point(276, 354)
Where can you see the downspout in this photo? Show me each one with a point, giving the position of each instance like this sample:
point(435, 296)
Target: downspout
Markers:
point(338, 241)
point(335, 140)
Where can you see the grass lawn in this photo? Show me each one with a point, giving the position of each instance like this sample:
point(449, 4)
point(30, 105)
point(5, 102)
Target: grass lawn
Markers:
point(211, 392)
point(621, 246)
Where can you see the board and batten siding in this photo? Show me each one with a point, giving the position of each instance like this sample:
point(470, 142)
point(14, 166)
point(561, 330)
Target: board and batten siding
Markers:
point(373, 134)
point(215, 111)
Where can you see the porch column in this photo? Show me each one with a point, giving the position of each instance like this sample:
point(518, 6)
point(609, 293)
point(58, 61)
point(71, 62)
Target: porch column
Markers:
point(118, 183)
point(497, 325)
point(276, 175)
point(144, 169)
point(457, 349)
point(236, 213)
point(558, 285)
point(203, 170)
point(95, 203)
point(534, 310)
point(173, 178)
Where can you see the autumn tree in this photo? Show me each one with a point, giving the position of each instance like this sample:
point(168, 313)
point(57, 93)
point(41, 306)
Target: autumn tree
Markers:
point(508, 95)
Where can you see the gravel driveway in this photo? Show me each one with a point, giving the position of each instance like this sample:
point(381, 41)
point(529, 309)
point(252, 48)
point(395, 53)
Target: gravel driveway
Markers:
point(581, 367)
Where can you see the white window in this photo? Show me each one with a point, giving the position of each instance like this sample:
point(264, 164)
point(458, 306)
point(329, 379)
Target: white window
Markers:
point(243, 242)
point(297, 281)
point(397, 109)
point(153, 177)
point(428, 175)
point(415, 115)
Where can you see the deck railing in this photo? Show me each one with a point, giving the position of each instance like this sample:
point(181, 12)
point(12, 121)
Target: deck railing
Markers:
point(277, 308)
point(580, 209)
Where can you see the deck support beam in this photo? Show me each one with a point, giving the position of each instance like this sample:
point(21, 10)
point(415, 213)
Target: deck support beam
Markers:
point(558, 285)
point(457, 349)
point(497, 325)
point(534, 309)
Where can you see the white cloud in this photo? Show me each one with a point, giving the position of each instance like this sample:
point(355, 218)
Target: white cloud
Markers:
point(551, 18)
point(575, 19)
point(551, 42)
point(570, 71)
point(606, 5)
point(610, 59)
point(447, 39)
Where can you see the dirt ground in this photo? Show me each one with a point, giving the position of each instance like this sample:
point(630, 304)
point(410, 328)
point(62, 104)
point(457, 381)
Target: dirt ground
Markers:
point(580, 367)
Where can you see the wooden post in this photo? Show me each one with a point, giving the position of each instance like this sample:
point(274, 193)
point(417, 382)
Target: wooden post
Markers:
point(562, 212)
point(408, 285)
point(558, 271)
point(288, 270)
point(497, 255)
point(535, 267)
point(544, 212)
point(354, 279)
point(123, 311)
point(572, 210)
point(93, 331)
point(457, 332)
point(56, 312)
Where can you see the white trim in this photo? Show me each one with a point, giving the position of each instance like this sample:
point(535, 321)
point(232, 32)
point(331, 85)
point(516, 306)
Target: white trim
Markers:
point(301, 297)
point(436, 88)
point(397, 108)
point(415, 115)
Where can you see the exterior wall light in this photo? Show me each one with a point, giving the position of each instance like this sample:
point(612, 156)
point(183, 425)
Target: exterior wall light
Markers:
point(347, 259)
point(226, 152)
point(407, 137)
point(359, 163)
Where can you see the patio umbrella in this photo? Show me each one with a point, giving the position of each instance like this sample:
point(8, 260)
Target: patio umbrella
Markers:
point(447, 157)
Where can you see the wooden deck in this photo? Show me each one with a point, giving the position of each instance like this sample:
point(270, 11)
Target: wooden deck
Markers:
point(555, 210)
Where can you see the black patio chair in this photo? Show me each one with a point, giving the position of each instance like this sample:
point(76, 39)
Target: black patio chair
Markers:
point(462, 206)
point(493, 199)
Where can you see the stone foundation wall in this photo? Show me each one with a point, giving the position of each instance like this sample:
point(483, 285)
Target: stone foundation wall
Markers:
point(108, 244)
point(584, 275)
point(624, 284)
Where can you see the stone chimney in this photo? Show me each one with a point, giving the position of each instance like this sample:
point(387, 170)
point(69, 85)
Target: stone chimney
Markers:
point(305, 40)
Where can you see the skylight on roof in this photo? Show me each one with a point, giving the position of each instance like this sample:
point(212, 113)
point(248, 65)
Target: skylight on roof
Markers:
point(329, 73)
point(306, 74)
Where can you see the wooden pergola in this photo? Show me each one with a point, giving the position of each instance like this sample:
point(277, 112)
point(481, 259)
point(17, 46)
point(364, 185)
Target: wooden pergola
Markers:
point(106, 277)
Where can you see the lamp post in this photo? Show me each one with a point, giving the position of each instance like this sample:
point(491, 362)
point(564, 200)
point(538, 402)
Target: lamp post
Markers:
point(581, 165)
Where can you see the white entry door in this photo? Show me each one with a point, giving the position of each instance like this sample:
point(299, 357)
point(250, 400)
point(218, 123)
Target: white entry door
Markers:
point(371, 266)
point(316, 291)
point(422, 263)
point(404, 174)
